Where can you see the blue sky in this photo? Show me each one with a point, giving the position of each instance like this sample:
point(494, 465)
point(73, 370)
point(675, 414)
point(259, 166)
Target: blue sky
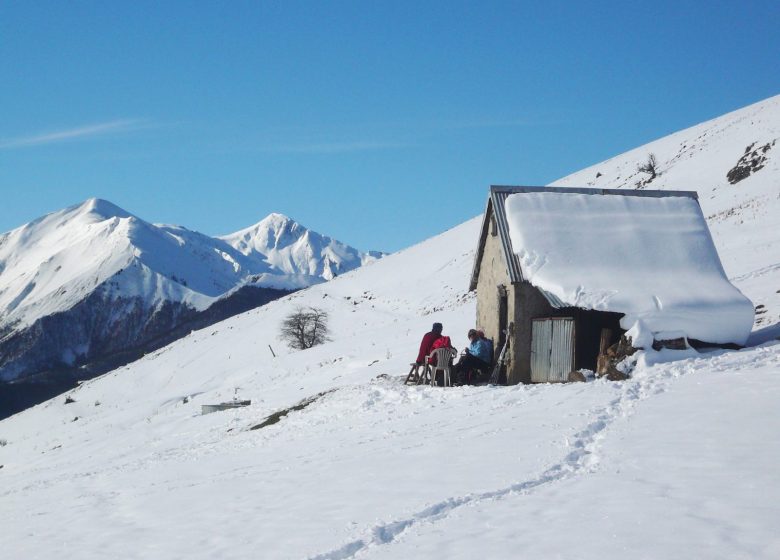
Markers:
point(380, 124)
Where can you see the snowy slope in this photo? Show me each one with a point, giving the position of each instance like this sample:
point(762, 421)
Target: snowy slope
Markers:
point(677, 462)
point(742, 215)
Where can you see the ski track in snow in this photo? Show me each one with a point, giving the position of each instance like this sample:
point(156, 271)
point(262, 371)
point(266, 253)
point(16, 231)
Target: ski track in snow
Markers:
point(757, 273)
point(581, 460)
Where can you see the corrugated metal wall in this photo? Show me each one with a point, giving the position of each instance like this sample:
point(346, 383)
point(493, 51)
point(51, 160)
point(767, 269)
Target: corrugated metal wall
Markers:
point(552, 349)
point(562, 352)
point(541, 340)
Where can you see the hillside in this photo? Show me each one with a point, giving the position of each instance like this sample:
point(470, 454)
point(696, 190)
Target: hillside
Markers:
point(676, 462)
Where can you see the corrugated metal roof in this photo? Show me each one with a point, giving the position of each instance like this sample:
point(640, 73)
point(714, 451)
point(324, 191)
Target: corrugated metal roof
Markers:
point(495, 206)
point(553, 300)
point(513, 262)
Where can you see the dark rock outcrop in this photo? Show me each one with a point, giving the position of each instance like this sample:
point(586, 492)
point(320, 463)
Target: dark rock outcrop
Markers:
point(754, 159)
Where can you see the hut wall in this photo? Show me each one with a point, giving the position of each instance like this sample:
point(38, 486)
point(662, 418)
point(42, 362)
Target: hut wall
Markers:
point(492, 274)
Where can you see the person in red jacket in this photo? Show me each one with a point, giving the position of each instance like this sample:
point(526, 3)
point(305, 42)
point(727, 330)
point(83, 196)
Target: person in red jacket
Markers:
point(427, 342)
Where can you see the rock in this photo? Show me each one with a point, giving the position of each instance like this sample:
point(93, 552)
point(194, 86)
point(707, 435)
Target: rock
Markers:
point(754, 159)
point(576, 376)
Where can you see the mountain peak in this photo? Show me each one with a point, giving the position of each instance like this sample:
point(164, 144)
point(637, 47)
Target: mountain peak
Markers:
point(294, 249)
point(103, 208)
point(276, 222)
point(273, 225)
point(277, 217)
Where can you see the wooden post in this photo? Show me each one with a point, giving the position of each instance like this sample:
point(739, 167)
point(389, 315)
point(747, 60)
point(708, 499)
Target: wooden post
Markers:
point(606, 336)
point(602, 362)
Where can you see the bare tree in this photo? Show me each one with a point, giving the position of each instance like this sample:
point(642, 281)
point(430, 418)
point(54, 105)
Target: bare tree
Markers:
point(305, 327)
point(651, 167)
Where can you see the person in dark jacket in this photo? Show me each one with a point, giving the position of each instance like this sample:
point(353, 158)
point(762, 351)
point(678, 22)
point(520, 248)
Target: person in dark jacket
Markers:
point(427, 342)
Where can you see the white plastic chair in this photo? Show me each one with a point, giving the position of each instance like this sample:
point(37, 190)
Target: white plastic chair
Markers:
point(443, 358)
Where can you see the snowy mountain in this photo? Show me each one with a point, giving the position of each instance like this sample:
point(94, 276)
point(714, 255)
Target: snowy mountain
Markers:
point(295, 250)
point(335, 458)
point(93, 280)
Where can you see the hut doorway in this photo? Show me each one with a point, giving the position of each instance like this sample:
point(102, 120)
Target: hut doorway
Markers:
point(503, 315)
point(552, 349)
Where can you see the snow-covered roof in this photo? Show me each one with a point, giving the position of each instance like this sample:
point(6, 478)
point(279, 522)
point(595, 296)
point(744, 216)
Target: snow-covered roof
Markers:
point(646, 254)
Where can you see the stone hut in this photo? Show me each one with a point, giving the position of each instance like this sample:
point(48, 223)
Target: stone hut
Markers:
point(567, 271)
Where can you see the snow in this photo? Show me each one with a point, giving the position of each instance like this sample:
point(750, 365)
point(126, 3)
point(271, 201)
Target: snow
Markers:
point(674, 467)
point(650, 258)
point(642, 337)
point(679, 461)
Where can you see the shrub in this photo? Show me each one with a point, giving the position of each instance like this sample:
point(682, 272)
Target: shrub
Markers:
point(651, 167)
point(306, 327)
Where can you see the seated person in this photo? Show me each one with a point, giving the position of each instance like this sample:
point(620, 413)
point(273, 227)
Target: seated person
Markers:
point(442, 342)
point(477, 356)
point(427, 343)
point(489, 343)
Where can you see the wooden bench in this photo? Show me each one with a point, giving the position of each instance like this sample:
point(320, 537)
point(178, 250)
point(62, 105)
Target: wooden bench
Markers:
point(419, 374)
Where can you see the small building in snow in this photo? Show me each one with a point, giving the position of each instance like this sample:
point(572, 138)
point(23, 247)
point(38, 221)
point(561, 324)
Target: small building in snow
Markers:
point(571, 270)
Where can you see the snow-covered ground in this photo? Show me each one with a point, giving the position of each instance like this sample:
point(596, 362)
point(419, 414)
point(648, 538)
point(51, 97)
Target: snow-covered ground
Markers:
point(678, 462)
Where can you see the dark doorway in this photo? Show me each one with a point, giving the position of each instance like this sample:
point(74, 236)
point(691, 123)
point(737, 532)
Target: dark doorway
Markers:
point(590, 327)
point(503, 315)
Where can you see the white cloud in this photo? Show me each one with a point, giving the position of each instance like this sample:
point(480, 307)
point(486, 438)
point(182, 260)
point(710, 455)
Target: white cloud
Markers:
point(86, 131)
